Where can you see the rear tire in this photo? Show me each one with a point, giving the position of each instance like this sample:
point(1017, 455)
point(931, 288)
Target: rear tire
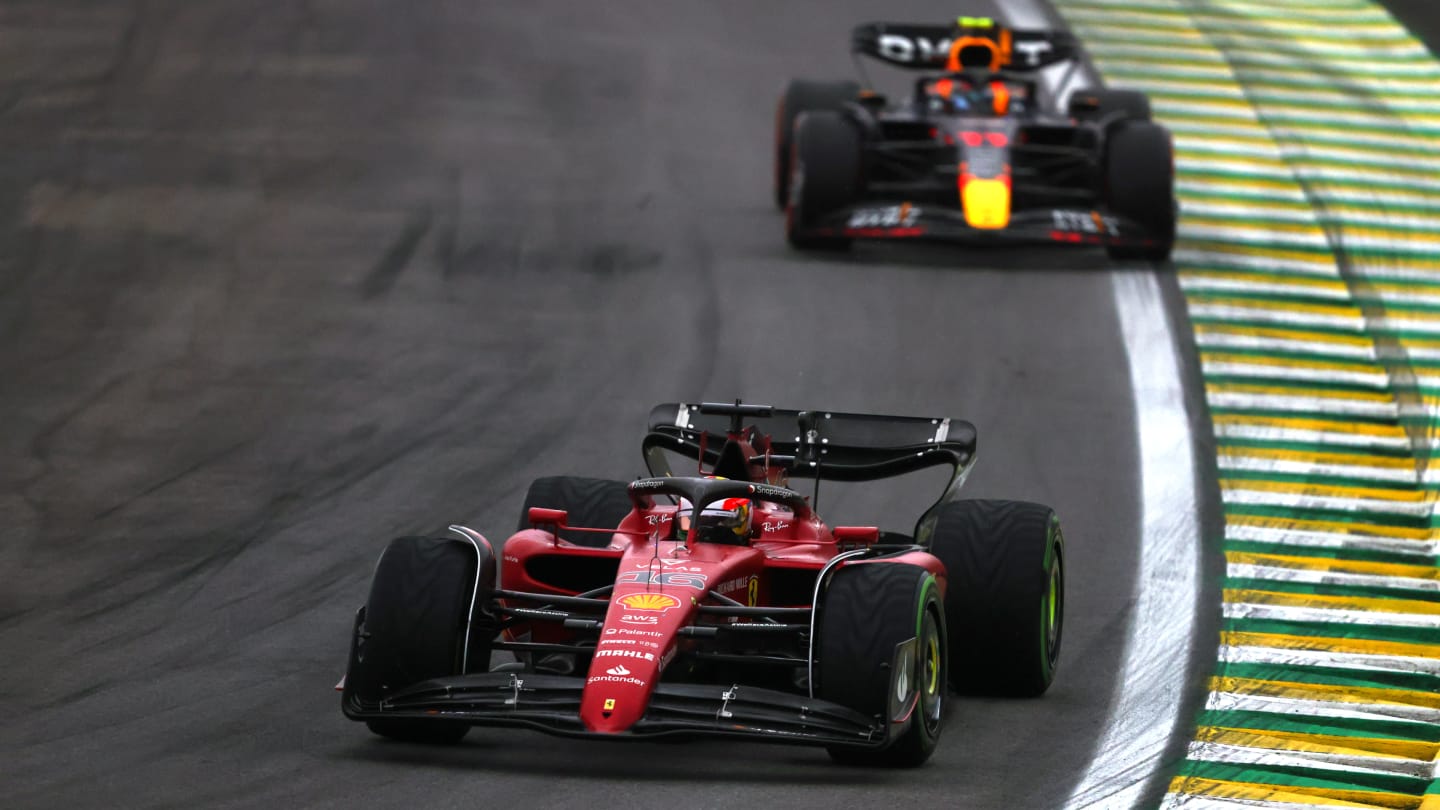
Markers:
point(825, 177)
point(868, 610)
point(591, 502)
point(1005, 600)
point(1140, 186)
point(414, 628)
point(802, 96)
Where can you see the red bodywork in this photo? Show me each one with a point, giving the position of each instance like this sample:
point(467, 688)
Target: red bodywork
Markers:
point(648, 632)
point(659, 585)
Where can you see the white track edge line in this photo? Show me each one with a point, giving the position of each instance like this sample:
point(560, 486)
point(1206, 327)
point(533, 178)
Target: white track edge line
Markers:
point(1148, 698)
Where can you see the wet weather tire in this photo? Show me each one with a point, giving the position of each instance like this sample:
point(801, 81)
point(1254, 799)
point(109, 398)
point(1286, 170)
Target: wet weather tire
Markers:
point(1140, 186)
point(802, 96)
point(1005, 599)
point(591, 502)
point(825, 176)
point(868, 611)
point(414, 629)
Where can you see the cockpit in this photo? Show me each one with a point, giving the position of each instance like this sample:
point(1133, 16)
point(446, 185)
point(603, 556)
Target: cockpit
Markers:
point(966, 94)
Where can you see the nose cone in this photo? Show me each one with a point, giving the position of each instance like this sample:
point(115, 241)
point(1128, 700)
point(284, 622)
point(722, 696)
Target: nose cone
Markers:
point(986, 203)
point(639, 628)
point(618, 688)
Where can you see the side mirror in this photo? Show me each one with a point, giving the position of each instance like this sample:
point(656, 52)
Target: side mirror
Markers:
point(857, 535)
point(540, 516)
point(871, 100)
point(1081, 104)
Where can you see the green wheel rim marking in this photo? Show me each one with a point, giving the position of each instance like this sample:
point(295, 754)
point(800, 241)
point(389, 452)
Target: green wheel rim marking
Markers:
point(1050, 610)
point(1054, 582)
point(1050, 616)
point(932, 699)
point(928, 657)
point(933, 663)
point(920, 611)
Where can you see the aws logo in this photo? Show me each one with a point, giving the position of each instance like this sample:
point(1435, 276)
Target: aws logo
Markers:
point(655, 602)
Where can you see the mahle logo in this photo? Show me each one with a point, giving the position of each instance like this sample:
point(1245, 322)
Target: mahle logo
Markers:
point(660, 602)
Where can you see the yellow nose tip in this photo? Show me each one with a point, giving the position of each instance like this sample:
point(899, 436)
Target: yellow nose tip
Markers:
point(987, 204)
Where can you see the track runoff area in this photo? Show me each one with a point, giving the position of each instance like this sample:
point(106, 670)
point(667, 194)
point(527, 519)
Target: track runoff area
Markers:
point(1308, 168)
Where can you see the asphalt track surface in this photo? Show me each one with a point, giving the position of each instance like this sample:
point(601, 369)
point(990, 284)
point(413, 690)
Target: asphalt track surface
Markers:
point(279, 281)
point(1420, 17)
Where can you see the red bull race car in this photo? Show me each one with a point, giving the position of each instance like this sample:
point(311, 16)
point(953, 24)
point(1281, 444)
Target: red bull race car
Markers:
point(720, 603)
point(978, 151)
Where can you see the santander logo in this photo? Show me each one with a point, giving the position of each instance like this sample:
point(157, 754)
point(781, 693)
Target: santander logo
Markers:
point(617, 674)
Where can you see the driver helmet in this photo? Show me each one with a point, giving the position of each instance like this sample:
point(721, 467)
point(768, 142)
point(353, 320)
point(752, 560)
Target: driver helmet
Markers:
point(724, 521)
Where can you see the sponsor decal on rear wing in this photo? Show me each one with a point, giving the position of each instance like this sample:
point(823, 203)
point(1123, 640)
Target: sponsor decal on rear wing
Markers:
point(937, 47)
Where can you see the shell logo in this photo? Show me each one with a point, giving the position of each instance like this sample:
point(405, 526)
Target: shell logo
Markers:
point(649, 601)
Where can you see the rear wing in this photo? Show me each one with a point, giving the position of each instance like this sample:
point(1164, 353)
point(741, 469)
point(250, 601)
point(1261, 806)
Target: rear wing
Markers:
point(835, 447)
point(960, 44)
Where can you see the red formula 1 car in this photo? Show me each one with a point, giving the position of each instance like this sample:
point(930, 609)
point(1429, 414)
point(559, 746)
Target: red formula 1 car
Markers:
point(978, 152)
point(720, 603)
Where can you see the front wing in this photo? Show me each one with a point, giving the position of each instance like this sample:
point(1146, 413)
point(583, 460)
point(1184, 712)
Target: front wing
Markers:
point(551, 703)
point(1075, 226)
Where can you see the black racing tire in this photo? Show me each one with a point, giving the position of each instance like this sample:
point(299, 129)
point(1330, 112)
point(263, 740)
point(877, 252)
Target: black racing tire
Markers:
point(866, 612)
point(1005, 596)
point(1095, 105)
point(414, 628)
point(1140, 186)
point(591, 503)
point(826, 176)
point(802, 96)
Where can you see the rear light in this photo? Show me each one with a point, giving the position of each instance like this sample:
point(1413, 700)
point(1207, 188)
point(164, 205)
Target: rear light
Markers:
point(972, 138)
point(997, 139)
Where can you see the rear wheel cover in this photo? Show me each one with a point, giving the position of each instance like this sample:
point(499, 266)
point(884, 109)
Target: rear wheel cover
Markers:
point(1052, 612)
point(932, 675)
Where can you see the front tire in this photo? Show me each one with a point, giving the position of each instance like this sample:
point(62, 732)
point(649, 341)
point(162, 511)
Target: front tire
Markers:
point(417, 625)
point(802, 96)
point(826, 177)
point(880, 644)
point(1005, 600)
point(1140, 186)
